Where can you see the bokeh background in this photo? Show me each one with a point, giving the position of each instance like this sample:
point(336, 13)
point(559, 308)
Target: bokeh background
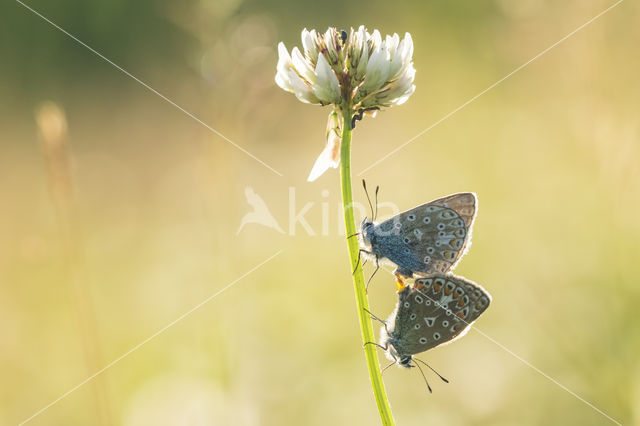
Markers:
point(119, 213)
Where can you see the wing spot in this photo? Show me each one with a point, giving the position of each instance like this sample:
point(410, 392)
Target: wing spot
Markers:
point(445, 323)
point(436, 336)
point(429, 321)
point(411, 217)
point(407, 304)
point(431, 250)
point(423, 340)
point(419, 299)
point(412, 317)
point(427, 259)
point(417, 326)
point(460, 233)
point(406, 240)
point(448, 255)
point(447, 214)
point(426, 219)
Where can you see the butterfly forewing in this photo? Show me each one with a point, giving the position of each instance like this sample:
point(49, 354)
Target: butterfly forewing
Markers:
point(436, 310)
point(429, 238)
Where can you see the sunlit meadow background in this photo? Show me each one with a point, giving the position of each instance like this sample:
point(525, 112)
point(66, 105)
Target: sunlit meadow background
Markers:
point(552, 152)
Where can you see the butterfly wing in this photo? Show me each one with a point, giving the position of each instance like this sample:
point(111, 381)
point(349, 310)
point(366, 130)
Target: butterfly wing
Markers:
point(437, 310)
point(429, 238)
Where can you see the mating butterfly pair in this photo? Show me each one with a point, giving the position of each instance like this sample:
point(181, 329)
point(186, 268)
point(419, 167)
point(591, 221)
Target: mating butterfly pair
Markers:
point(427, 241)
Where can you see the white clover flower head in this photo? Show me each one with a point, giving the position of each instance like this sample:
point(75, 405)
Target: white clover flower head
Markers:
point(357, 72)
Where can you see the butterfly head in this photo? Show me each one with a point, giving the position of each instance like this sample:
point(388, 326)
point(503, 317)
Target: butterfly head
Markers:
point(405, 362)
point(401, 360)
point(367, 231)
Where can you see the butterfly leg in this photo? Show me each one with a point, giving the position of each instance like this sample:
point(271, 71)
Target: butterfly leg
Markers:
point(358, 261)
point(389, 365)
point(374, 272)
point(377, 319)
point(375, 344)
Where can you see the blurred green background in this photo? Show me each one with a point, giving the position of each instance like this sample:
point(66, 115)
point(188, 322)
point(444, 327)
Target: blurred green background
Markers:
point(144, 228)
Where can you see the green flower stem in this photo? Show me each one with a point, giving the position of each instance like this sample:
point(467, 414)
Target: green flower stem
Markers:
point(362, 302)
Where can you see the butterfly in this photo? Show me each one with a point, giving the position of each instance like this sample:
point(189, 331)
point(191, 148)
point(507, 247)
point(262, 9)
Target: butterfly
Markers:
point(427, 239)
point(432, 311)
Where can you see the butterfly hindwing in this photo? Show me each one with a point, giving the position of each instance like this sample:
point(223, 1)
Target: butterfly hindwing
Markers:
point(436, 310)
point(429, 238)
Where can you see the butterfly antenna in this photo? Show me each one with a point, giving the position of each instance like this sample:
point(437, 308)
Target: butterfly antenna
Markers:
point(431, 368)
point(364, 185)
point(424, 377)
point(376, 215)
point(353, 235)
